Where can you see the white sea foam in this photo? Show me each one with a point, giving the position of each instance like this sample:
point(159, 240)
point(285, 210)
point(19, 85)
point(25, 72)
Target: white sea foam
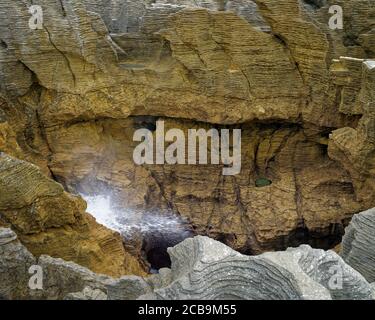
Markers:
point(128, 222)
point(100, 208)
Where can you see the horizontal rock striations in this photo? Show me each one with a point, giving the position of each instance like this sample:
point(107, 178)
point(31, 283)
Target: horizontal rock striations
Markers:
point(15, 261)
point(59, 278)
point(310, 197)
point(205, 269)
point(358, 244)
point(202, 269)
point(354, 147)
point(50, 221)
point(73, 92)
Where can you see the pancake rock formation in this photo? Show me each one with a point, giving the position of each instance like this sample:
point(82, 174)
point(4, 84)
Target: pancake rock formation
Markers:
point(50, 221)
point(73, 92)
point(202, 268)
point(358, 245)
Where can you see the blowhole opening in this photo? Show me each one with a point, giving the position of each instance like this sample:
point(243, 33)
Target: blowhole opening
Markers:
point(155, 247)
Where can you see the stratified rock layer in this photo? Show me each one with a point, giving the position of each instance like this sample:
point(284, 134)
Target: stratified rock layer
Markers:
point(354, 147)
point(358, 246)
point(51, 221)
point(73, 92)
point(15, 261)
point(202, 269)
point(206, 269)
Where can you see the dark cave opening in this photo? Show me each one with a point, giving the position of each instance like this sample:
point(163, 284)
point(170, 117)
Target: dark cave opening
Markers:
point(156, 244)
point(158, 258)
point(325, 238)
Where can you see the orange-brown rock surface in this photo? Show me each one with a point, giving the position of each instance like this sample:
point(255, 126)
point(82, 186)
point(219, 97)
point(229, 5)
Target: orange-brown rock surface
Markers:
point(50, 221)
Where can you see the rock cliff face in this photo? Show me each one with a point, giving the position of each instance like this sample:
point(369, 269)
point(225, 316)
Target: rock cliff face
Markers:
point(73, 92)
point(354, 147)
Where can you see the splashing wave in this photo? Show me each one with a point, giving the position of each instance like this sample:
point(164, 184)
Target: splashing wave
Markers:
point(128, 222)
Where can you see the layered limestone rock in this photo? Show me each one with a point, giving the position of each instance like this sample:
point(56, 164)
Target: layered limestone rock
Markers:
point(50, 221)
point(303, 27)
point(58, 277)
point(178, 59)
point(15, 261)
point(62, 278)
point(208, 56)
point(21, 135)
point(197, 265)
point(314, 193)
point(74, 91)
point(354, 147)
point(87, 294)
point(359, 243)
point(302, 273)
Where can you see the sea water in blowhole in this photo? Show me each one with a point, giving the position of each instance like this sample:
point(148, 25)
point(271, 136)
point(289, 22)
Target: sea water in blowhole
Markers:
point(157, 230)
point(157, 242)
point(154, 231)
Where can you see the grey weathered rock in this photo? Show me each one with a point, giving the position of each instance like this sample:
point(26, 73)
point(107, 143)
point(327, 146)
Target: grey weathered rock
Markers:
point(202, 268)
point(62, 277)
point(206, 269)
point(358, 246)
point(160, 280)
point(15, 261)
point(325, 268)
point(59, 277)
point(128, 288)
point(131, 287)
point(87, 294)
point(6, 236)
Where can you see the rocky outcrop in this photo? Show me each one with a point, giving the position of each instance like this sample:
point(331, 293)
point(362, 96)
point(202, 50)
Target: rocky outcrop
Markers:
point(358, 244)
point(50, 221)
point(198, 266)
point(87, 294)
point(58, 277)
point(202, 269)
point(128, 288)
point(15, 261)
point(354, 147)
point(62, 278)
point(177, 60)
point(74, 91)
